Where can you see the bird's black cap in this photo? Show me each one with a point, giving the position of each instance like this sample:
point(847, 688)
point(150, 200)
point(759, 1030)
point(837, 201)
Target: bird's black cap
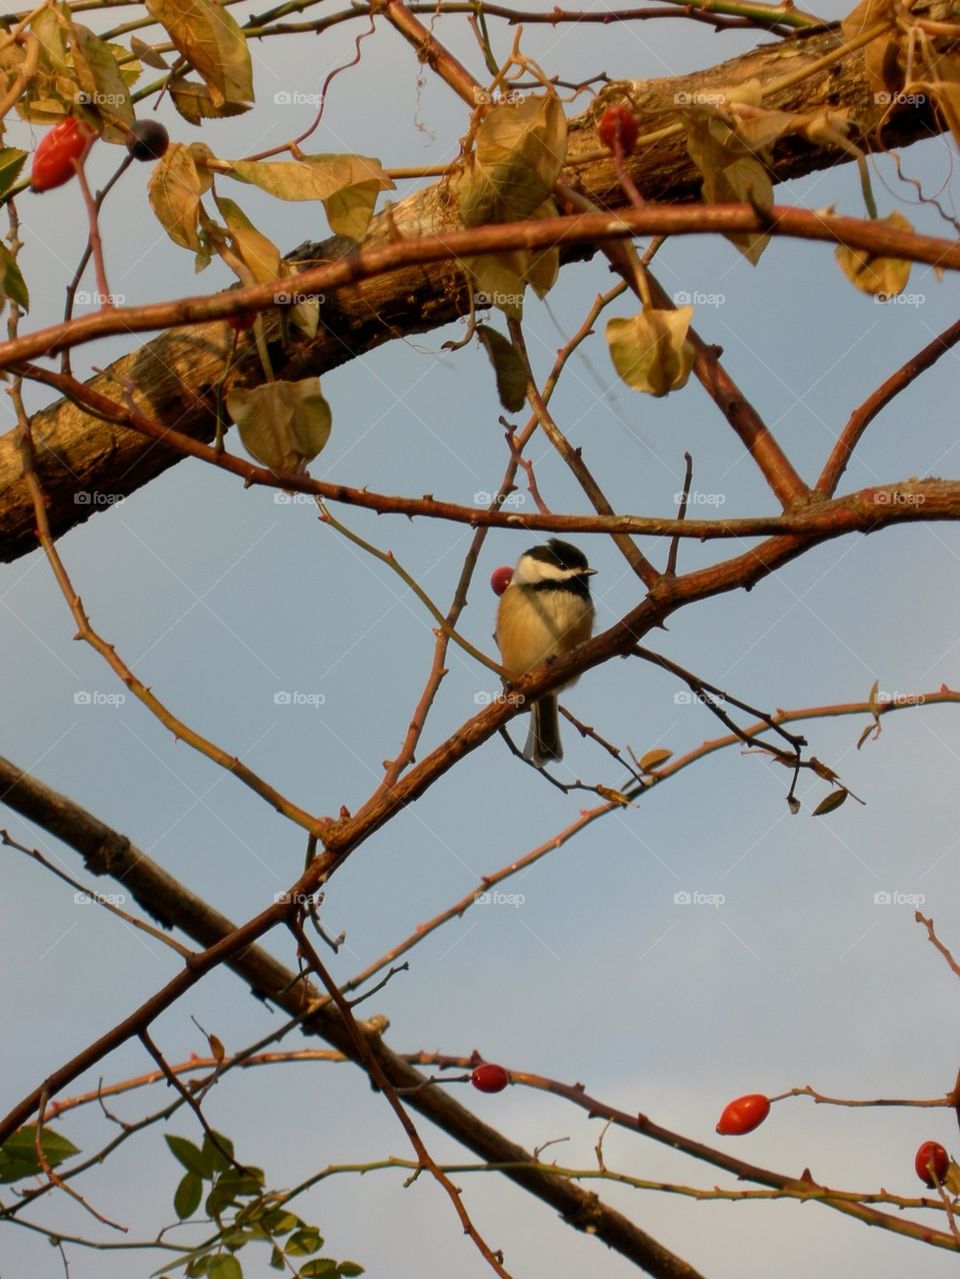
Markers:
point(562, 554)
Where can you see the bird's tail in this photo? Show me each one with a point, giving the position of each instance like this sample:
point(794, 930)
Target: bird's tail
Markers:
point(543, 739)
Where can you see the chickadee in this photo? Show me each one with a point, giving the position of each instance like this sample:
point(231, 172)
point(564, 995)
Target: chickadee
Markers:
point(544, 612)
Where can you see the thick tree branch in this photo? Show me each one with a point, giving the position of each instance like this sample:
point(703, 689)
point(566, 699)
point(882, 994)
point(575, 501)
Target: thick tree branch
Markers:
point(79, 456)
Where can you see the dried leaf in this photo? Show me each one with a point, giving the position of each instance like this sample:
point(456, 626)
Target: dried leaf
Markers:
point(12, 283)
point(196, 105)
point(650, 350)
point(830, 803)
point(210, 39)
point(881, 277)
point(653, 759)
point(732, 173)
point(174, 190)
point(284, 425)
point(260, 255)
point(517, 158)
point(613, 796)
point(348, 185)
point(823, 770)
point(509, 369)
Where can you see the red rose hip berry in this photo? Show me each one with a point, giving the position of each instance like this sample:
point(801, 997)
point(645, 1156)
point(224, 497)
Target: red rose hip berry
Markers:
point(489, 1077)
point(743, 1115)
point(53, 159)
point(931, 1155)
point(500, 579)
point(618, 126)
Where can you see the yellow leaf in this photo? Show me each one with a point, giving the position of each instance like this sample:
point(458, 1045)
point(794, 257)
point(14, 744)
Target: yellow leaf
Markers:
point(174, 191)
point(210, 39)
point(653, 759)
point(518, 156)
point(650, 351)
point(881, 277)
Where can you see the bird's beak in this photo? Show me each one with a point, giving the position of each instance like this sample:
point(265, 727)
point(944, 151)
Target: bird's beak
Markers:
point(589, 572)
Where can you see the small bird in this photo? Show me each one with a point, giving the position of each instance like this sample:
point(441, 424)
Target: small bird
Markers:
point(544, 612)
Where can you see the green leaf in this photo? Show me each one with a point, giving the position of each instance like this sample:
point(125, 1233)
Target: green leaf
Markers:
point(348, 185)
point(322, 1268)
point(18, 1156)
point(650, 350)
point(213, 1155)
point(350, 1269)
point(511, 375)
point(210, 39)
point(12, 161)
point(188, 1194)
point(223, 1266)
point(189, 1155)
point(830, 803)
point(12, 283)
point(174, 190)
point(284, 425)
point(280, 1222)
point(102, 87)
point(303, 1242)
